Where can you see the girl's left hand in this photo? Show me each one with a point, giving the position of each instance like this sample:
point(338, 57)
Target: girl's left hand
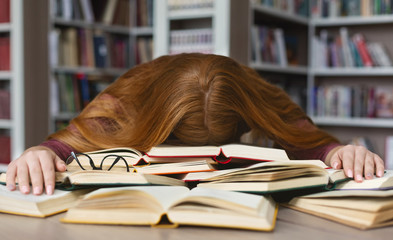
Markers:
point(357, 161)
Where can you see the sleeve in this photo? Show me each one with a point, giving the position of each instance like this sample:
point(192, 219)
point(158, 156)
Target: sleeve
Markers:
point(61, 149)
point(314, 153)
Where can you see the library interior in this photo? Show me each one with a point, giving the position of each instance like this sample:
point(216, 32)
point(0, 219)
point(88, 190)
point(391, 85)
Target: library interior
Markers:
point(332, 57)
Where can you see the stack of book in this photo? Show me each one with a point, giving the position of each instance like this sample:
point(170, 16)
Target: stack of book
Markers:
point(343, 50)
point(233, 186)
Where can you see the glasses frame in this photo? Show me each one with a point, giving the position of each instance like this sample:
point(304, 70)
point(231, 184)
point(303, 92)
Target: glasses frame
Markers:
point(91, 162)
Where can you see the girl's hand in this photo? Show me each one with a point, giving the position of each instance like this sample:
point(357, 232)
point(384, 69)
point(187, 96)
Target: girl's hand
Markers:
point(356, 161)
point(36, 165)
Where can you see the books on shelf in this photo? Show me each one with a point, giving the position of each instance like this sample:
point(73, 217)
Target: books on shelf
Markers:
point(353, 101)
point(349, 8)
point(72, 92)
point(191, 40)
point(363, 209)
point(347, 51)
point(5, 9)
point(5, 52)
point(299, 7)
point(5, 101)
point(271, 45)
point(15, 202)
point(174, 206)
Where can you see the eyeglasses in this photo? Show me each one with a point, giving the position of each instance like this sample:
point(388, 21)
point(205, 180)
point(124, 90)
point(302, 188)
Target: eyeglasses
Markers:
point(115, 158)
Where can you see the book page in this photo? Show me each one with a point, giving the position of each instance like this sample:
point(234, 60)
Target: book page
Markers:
point(235, 201)
point(16, 194)
point(385, 182)
point(183, 151)
point(165, 195)
point(254, 152)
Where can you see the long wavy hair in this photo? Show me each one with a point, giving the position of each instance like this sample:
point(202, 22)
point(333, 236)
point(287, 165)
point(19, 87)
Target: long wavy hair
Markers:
point(193, 99)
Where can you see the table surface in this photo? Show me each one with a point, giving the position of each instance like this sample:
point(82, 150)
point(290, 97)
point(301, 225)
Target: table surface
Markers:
point(290, 224)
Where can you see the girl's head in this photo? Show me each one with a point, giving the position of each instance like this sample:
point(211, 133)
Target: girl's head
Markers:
point(193, 99)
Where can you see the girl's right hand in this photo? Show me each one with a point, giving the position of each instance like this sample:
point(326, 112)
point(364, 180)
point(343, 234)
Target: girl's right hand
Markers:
point(37, 165)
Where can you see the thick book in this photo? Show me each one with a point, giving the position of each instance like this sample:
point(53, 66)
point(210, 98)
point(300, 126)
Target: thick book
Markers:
point(14, 202)
point(363, 209)
point(174, 206)
point(203, 156)
point(269, 177)
point(73, 180)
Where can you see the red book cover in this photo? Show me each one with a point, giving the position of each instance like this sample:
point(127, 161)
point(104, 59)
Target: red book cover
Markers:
point(360, 43)
point(5, 149)
point(4, 11)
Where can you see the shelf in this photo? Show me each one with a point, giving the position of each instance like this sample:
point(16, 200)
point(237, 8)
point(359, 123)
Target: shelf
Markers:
point(5, 75)
point(92, 71)
point(353, 122)
point(5, 124)
point(191, 14)
point(142, 31)
point(5, 27)
point(356, 72)
point(281, 14)
point(351, 20)
point(64, 116)
point(99, 26)
point(279, 69)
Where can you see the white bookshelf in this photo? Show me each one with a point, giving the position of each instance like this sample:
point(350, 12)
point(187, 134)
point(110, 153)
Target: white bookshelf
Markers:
point(16, 125)
point(219, 15)
point(375, 128)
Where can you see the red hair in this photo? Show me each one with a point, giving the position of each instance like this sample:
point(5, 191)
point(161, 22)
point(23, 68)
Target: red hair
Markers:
point(193, 99)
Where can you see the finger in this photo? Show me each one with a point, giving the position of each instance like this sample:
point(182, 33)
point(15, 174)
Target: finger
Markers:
point(335, 162)
point(60, 164)
point(348, 164)
point(23, 178)
point(379, 165)
point(11, 176)
point(48, 169)
point(35, 172)
point(369, 166)
point(360, 156)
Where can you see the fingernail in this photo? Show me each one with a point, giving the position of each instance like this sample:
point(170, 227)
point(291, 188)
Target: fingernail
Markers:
point(359, 177)
point(24, 189)
point(335, 164)
point(11, 187)
point(369, 175)
point(49, 190)
point(350, 173)
point(380, 173)
point(37, 190)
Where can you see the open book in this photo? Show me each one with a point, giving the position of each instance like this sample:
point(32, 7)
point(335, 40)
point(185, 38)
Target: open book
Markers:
point(180, 154)
point(268, 177)
point(362, 209)
point(178, 205)
point(100, 178)
point(14, 202)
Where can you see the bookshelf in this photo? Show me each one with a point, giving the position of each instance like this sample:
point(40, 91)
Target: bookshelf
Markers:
point(267, 20)
point(91, 43)
point(223, 20)
point(324, 17)
point(11, 82)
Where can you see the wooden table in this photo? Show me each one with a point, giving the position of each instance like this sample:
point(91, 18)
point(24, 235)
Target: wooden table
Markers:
point(290, 225)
